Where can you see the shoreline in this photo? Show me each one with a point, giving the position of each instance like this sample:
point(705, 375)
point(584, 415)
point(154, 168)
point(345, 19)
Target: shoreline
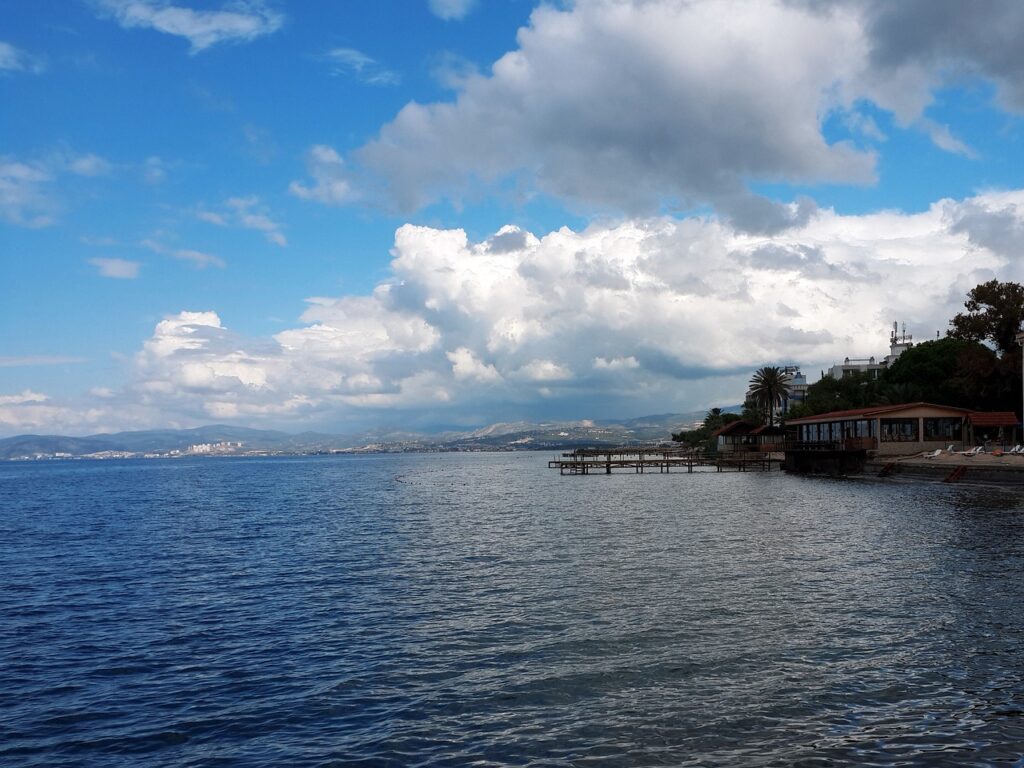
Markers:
point(983, 468)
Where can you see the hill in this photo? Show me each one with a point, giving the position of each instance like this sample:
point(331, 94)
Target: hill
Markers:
point(226, 439)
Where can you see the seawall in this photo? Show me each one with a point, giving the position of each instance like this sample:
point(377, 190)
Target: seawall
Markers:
point(1004, 470)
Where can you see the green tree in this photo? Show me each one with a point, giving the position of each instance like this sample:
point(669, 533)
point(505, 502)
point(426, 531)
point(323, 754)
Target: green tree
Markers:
point(713, 418)
point(753, 412)
point(950, 371)
point(716, 417)
point(857, 390)
point(769, 386)
point(701, 437)
point(994, 314)
point(902, 392)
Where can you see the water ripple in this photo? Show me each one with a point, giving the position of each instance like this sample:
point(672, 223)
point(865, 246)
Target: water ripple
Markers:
point(458, 609)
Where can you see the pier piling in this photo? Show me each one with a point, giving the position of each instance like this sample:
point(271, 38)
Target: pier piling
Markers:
point(639, 459)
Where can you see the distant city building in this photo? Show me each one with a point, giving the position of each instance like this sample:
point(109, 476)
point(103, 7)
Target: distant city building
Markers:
point(797, 389)
point(898, 344)
point(225, 446)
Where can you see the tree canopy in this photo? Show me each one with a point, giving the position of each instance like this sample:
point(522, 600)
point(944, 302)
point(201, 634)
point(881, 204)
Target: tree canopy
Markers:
point(994, 314)
point(857, 390)
point(950, 371)
point(769, 386)
point(714, 419)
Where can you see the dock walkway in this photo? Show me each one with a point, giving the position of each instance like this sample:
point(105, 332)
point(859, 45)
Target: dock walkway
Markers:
point(641, 459)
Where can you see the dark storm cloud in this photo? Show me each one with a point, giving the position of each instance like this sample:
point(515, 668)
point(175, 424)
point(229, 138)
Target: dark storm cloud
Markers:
point(980, 38)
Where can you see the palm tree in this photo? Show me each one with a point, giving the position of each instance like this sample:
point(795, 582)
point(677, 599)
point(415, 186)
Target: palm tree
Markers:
point(769, 386)
point(713, 418)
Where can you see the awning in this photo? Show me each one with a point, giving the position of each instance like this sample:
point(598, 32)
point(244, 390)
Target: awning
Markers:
point(993, 419)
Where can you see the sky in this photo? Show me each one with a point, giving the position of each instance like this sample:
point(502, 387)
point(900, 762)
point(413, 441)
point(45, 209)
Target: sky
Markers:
point(419, 214)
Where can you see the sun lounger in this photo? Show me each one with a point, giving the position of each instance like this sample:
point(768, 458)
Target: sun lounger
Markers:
point(973, 451)
point(932, 454)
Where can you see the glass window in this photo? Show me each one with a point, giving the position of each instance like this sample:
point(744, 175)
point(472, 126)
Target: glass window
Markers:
point(943, 429)
point(899, 430)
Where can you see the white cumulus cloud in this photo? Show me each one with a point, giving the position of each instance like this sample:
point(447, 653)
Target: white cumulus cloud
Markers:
point(641, 316)
point(635, 106)
point(121, 269)
point(331, 185)
point(450, 9)
point(465, 365)
point(237, 22)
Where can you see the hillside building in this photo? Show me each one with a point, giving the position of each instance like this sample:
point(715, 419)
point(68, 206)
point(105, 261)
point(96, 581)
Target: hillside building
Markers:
point(898, 344)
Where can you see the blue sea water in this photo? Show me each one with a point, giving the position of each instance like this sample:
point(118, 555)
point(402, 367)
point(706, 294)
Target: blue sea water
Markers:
point(480, 609)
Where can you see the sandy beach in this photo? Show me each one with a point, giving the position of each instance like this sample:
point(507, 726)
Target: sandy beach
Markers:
point(1006, 469)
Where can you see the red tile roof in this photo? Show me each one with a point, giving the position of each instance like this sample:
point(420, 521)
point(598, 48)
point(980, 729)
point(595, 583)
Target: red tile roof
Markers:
point(994, 419)
point(866, 412)
point(764, 429)
point(733, 426)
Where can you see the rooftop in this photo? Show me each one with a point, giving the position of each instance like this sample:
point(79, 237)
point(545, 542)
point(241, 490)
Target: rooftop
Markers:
point(871, 411)
point(977, 418)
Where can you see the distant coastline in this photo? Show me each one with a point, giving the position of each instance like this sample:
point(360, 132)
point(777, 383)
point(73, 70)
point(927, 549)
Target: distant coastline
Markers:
point(225, 440)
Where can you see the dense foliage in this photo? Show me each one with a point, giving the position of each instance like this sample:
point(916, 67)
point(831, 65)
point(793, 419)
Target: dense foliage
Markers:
point(701, 437)
point(994, 314)
point(832, 394)
point(947, 371)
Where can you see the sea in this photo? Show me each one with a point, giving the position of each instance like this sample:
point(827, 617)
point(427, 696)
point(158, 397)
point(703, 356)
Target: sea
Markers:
point(480, 609)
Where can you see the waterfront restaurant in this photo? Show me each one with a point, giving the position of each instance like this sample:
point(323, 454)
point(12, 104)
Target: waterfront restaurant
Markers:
point(742, 436)
point(895, 430)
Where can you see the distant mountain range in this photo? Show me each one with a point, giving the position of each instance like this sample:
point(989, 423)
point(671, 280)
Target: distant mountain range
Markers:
point(223, 439)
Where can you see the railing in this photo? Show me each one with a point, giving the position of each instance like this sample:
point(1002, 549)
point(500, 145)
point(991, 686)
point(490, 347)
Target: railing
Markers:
point(776, 447)
point(664, 450)
point(812, 445)
point(846, 444)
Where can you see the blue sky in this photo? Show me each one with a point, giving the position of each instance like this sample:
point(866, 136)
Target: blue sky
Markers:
point(654, 199)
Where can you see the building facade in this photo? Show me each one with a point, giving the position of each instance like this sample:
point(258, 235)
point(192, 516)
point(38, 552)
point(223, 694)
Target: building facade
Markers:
point(744, 437)
point(900, 430)
point(797, 389)
point(898, 344)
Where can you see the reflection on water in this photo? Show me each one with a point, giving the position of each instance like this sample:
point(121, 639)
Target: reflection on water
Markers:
point(448, 609)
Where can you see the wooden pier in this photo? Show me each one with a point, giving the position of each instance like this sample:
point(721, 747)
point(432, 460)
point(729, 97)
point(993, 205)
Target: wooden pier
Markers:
point(641, 459)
